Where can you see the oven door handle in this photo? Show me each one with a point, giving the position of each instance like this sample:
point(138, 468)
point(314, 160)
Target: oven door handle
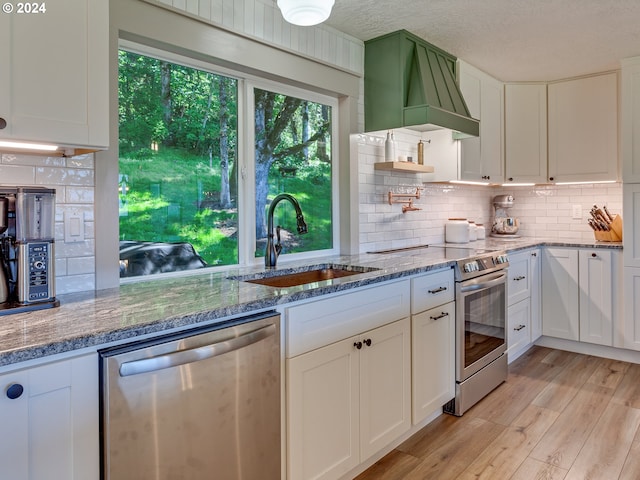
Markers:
point(484, 282)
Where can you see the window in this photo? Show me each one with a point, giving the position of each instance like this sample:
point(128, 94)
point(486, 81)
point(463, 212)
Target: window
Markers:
point(293, 155)
point(180, 185)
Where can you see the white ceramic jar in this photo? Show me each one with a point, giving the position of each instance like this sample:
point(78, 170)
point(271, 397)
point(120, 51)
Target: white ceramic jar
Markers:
point(482, 232)
point(456, 230)
point(473, 231)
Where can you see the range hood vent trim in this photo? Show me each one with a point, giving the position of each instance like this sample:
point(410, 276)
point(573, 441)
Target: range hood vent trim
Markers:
point(426, 75)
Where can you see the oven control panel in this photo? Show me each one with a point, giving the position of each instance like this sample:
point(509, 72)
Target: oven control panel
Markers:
point(472, 267)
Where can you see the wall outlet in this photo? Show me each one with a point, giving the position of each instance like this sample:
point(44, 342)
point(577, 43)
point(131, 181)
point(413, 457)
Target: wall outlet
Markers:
point(577, 212)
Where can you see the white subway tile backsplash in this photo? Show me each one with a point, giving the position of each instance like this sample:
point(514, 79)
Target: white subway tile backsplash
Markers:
point(544, 211)
point(17, 174)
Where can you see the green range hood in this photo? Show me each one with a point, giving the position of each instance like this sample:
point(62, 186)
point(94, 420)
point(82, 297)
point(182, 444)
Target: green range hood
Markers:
point(412, 84)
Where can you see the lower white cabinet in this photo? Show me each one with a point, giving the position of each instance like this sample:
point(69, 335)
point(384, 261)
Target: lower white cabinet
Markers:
point(577, 294)
point(433, 359)
point(523, 312)
point(632, 308)
point(49, 418)
point(348, 400)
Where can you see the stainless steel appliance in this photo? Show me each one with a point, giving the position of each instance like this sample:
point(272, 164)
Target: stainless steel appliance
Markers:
point(481, 315)
point(504, 225)
point(27, 263)
point(201, 404)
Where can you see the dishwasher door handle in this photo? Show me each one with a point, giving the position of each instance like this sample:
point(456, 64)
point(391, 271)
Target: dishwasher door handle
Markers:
point(184, 357)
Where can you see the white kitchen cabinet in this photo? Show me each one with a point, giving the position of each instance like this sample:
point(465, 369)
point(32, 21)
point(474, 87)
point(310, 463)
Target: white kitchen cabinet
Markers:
point(583, 129)
point(519, 329)
point(348, 400)
point(630, 117)
point(348, 378)
point(50, 431)
point(433, 359)
point(54, 75)
point(631, 216)
point(525, 130)
point(632, 308)
point(560, 293)
point(596, 307)
point(577, 295)
point(432, 342)
point(482, 158)
point(523, 312)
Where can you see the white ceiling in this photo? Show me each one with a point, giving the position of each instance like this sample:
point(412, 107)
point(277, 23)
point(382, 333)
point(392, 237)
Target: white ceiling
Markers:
point(513, 40)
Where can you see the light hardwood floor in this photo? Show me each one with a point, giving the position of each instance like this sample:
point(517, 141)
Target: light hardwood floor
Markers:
point(559, 415)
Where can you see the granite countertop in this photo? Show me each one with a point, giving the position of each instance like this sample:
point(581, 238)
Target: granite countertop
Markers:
point(93, 319)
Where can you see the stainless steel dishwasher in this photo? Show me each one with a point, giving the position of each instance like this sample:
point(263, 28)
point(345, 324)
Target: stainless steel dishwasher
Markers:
point(203, 404)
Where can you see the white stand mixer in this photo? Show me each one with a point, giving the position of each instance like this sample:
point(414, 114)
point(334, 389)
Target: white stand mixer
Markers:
point(504, 225)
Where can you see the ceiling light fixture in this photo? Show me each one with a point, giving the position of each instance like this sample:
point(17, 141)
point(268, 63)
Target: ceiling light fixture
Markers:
point(28, 146)
point(305, 12)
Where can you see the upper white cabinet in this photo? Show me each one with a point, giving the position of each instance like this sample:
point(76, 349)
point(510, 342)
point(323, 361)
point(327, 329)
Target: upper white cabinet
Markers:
point(49, 418)
point(630, 106)
point(54, 75)
point(482, 158)
point(583, 129)
point(525, 128)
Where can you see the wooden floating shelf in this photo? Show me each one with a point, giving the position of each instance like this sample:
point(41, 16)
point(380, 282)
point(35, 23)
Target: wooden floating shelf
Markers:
point(403, 167)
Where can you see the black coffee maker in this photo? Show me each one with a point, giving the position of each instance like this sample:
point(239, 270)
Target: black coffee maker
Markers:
point(27, 261)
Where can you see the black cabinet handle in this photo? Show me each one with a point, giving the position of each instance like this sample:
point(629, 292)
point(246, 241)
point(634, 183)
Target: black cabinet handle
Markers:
point(358, 345)
point(521, 277)
point(442, 315)
point(534, 254)
point(367, 342)
point(519, 327)
point(594, 255)
point(511, 179)
point(14, 391)
point(551, 179)
point(437, 290)
point(3, 123)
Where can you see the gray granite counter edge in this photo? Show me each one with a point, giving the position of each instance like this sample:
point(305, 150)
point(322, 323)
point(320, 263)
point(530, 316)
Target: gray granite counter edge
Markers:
point(98, 339)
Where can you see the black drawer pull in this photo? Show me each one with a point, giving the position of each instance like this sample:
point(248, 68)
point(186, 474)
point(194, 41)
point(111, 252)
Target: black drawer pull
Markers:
point(358, 345)
point(519, 327)
point(521, 277)
point(437, 290)
point(367, 342)
point(442, 315)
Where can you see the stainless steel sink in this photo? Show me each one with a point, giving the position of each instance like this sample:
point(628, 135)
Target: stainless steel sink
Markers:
point(295, 277)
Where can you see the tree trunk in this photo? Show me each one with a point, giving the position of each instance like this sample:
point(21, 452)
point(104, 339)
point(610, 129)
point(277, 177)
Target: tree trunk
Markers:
point(305, 130)
point(225, 195)
point(165, 93)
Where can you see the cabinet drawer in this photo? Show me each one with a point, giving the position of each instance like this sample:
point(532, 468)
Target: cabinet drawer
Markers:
point(319, 323)
point(519, 286)
point(519, 328)
point(429, 291)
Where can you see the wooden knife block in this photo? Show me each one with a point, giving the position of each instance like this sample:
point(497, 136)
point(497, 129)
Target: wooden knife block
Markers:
point(614, 235)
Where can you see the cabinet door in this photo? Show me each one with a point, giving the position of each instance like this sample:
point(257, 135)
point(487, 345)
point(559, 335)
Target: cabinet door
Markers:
point(385, 386)
point(323, 412)
point(525, 126)
point(519, 331)
point(630, 117)
point(433, 360)
point(583, 129)
point(535, 261)
point(482, 158)
point(632, 308)
point(560, 294)
point(51, 429)
point(631, 216)
point(55, 82)
point(596, 309)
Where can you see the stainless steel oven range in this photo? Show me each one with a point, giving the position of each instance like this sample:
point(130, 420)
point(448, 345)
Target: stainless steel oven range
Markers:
point(481, 315)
